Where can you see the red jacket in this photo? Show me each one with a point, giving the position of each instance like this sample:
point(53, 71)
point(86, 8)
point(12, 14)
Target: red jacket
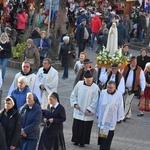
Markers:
point(96, 24)
point(22, 19)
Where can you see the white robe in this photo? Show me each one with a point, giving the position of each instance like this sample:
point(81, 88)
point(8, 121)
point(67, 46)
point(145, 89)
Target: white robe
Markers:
point(118, 112)
point(32, 82)
point(112, 41)
point(50, 82)
point(87, 98)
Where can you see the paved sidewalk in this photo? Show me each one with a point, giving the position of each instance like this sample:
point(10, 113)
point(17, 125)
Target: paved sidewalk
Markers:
point(131, 135)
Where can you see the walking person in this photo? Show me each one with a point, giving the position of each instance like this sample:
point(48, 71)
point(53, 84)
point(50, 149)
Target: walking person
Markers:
point(52, 137)
point(95, 24)
point(83, 99)
point(48, 81)
point(134, 79)
point(10, 120)
point(31, 115)
point(82, 36)
point(110, 110)
point(66, 54)
point(5, 52)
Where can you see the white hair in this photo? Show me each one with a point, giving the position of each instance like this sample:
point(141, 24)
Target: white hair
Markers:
point(22, 79)
point(66, 38)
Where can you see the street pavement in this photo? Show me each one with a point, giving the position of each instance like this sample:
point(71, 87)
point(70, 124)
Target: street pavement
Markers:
point(134, 134)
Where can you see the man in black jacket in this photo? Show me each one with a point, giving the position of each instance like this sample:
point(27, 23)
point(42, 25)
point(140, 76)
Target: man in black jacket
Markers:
point(82, 36)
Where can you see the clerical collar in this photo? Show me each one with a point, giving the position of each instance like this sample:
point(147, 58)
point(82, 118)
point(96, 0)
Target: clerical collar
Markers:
point(26, 74)
point(86, 84)
point(112, 93)
point(45, 71)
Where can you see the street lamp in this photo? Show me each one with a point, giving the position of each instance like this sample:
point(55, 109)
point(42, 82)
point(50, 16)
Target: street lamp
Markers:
point(49, 19)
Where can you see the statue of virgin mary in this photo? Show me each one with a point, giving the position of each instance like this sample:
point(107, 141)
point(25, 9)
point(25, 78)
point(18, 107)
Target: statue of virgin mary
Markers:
point(112, 41)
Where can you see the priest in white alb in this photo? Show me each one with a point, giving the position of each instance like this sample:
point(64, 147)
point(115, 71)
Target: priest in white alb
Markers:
point(110, 110)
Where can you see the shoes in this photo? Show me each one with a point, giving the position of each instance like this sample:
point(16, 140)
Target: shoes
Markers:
point(140, 115)
point(81, 145)
point(63, 78)
point(76, 143)
point(124, 120)
point(91, 48)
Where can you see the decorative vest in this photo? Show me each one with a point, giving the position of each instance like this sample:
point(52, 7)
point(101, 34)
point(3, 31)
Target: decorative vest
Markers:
point(136, 78)
point(118, 77)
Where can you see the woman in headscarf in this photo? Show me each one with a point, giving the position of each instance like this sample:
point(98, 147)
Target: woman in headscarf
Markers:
point(31, 115)
point(52, 137)
point(5, 52)
point(11, 122)
point(21, 91)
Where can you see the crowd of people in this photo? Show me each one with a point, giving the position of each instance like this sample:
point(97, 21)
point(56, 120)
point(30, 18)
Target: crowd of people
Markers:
point(106, 93)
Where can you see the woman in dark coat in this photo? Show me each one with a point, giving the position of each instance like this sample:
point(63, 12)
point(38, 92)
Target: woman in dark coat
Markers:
point(5, 52)
point(52, 137)
point(11, 122)
point(67, 53)
point(2, 138)
point(31, 115)
point(143, 59)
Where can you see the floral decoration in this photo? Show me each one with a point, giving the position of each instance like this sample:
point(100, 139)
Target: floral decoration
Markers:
point(105, 58)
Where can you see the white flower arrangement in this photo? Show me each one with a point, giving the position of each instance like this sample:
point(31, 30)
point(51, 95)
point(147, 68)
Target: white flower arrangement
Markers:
point(105, 58)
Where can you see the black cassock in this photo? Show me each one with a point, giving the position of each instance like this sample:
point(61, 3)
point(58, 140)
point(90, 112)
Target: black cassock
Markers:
point(52, 137)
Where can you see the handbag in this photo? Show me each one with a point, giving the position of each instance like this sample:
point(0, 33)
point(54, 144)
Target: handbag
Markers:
point(98, 48)
point(73, 55)
point(43, 54)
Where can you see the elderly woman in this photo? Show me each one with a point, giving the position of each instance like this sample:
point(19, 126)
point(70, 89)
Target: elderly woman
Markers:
point(144, 103)
point(5, 52)
point(20, 92)
point(31, 115)
point(43, 46)
point(125, 51)
point(11, 122)
point(143, 59)
point(31, 55)
point(67, 52)
point(52, 137)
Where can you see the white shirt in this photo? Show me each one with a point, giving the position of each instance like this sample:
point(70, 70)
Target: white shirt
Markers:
point(121, 85)
point(129, 81)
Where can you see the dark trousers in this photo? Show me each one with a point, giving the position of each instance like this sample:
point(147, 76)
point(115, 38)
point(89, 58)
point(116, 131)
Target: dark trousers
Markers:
point(65, 74)
point(105, 143)
point(82, 46)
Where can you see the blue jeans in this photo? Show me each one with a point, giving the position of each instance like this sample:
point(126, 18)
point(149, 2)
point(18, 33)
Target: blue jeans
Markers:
point(65, 74)
point(140, 35)
point(29, 144)
point(93, 38)
point(3, 63)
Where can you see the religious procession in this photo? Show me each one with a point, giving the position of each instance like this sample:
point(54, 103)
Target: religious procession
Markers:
point(45, 107)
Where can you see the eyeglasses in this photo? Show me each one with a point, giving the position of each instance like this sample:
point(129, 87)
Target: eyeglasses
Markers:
point(26, 66)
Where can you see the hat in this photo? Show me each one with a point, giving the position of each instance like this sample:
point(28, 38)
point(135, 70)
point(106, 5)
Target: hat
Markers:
point(55, 95)
point(82, 10)
point(98, 14)
point(83, 20)
point(88, 74)
point(114, 66)
point(36, 100)
point(132, 58)
point(112, 12)
point(86, 61)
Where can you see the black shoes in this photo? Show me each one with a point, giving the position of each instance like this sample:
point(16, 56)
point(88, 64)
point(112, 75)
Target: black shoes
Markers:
point(80, 145)
point(140, 115)
point(76, 143)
